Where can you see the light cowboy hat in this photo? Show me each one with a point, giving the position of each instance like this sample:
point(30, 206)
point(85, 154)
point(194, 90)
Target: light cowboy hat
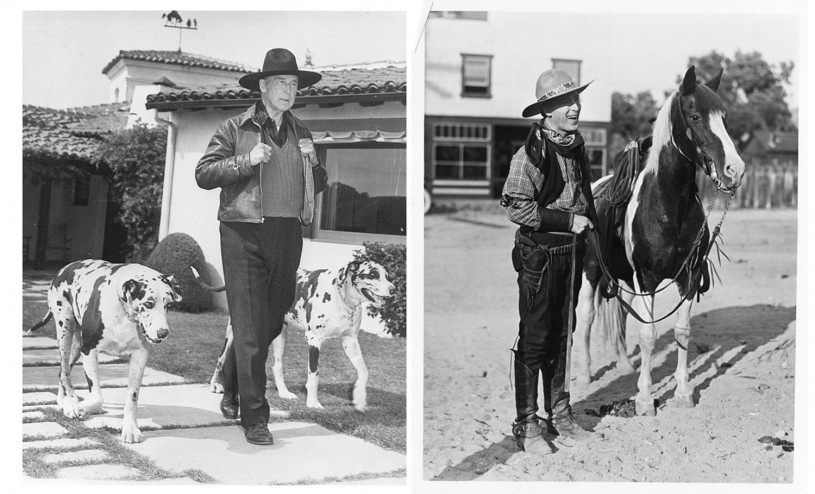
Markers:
point(280, 61)
point(552, 84)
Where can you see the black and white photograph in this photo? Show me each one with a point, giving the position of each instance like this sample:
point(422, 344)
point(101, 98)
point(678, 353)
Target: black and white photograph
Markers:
point(214, 246)
point(611, 246)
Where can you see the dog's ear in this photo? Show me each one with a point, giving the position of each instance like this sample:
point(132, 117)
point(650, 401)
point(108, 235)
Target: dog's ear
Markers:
point(175, 288)
point(351, 268)
point(132, 289)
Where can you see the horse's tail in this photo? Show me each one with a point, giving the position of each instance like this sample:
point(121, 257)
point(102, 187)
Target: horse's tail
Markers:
point(609, 321)
point(204, 284)
point(40, 324)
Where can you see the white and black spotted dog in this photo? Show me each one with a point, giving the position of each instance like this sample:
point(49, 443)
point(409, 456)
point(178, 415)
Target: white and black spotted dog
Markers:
point(328, 304)
point(115, 309)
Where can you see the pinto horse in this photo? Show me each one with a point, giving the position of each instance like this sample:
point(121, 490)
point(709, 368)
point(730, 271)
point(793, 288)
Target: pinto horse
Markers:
point(663, 234)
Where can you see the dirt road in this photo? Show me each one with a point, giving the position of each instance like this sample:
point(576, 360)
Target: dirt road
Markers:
point(741, 360)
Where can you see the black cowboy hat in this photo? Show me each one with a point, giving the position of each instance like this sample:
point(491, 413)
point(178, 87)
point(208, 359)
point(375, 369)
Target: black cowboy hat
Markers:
point(552, 84)
point(280, 61)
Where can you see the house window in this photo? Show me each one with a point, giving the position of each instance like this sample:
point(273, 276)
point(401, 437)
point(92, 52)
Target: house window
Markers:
point(461, 151)
point(82, 190)
point(595, 139)
point(475, 75)
point(572, 67)
point(366, 193)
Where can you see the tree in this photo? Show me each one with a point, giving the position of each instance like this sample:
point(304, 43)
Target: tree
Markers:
point(630, 117)
point(136, 158)
point(753, 89)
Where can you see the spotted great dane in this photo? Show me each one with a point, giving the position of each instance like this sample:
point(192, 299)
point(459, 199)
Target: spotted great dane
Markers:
point(115, 309)
point(328, 304)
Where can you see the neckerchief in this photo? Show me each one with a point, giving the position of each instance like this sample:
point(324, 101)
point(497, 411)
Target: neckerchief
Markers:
point(562, 144)
point(278, 136)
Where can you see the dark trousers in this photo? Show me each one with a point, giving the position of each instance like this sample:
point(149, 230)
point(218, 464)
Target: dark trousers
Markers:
point(260, 270)
point(543, 306)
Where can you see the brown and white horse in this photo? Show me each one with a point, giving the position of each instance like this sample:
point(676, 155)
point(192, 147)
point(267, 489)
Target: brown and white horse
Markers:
point(664, 234)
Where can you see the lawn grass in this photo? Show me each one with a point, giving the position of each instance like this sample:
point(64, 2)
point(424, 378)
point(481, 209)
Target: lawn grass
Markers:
point(196, 340)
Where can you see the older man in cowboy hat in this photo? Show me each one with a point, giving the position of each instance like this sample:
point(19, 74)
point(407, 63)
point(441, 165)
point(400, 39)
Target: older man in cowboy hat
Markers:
point(268, 171)
point(548, 194)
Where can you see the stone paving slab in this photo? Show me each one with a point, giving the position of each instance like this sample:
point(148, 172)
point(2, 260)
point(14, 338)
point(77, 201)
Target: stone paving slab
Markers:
point(50, 357)
point(108, 482)
point(37, 415)
point(224, 454)
point(39, 398)
point(82, 456)
point(98, 472)
point(162, 407)
point(63, 443)
point(43, 430)
point(112, 375)
point(39, 342)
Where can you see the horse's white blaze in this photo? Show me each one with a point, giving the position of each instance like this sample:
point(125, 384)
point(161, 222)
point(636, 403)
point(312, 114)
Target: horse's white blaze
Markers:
point(733, 164)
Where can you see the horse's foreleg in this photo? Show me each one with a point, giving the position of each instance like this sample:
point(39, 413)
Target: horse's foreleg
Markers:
point(585, 317)
point(648, 337)
point(624, 364)
point(683, 396)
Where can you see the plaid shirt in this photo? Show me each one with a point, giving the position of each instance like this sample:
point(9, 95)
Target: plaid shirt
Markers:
point(525, 182)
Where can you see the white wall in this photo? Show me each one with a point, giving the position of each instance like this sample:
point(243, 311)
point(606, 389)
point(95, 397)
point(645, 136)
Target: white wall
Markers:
point(522, 46)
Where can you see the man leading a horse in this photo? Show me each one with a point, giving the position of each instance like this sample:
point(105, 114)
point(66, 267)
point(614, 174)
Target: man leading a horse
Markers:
point(548, 194)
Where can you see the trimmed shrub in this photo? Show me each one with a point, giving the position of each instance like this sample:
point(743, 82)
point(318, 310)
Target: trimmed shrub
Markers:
point(173, 256)
point(393, 258)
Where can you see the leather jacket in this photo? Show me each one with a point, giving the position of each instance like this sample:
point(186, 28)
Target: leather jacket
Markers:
point(226, 164)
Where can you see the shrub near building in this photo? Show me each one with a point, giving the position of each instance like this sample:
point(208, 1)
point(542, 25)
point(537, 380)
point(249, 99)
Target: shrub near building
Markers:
point(173, 256)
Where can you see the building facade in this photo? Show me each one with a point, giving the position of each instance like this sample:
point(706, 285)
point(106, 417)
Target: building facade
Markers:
point(480, 73)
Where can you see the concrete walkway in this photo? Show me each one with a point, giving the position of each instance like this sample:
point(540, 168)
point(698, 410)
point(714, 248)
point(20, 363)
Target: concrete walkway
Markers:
point(184, 430)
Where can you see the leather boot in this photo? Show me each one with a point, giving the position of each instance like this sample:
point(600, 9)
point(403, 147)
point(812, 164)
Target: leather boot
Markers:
point(526, 387)
point(563, 420)
point(529, 435)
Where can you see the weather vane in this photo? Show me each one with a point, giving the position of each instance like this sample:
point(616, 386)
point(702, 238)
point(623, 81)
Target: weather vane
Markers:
point(174, 20)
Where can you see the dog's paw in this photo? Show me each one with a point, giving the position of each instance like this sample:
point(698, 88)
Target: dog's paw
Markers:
point(313, 404)
point(131, 433)
point(361, 407)
point(71, 408)
point(216, 388)
point(286, 394)
point(91, 407)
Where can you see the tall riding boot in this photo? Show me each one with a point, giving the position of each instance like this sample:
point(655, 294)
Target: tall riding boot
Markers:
point(563, 419)
point(527, 428)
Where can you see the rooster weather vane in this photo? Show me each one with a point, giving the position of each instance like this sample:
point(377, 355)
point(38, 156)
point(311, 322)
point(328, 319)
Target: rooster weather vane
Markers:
point(173, 20)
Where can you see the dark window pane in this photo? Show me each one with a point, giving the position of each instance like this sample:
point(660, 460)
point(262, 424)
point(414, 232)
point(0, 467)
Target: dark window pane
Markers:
point(475, 153)
point(475, 172)
point(447, 153)
point(366, 191)
point(447, 171)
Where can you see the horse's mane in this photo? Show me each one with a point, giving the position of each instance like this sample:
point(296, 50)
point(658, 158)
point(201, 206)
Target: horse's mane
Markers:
point(662, 134)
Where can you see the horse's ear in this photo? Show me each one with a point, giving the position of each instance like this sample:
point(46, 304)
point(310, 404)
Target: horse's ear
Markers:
point(714, 83)
point(689, 82)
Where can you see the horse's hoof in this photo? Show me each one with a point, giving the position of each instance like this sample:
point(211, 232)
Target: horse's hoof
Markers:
point(681, 401)
point(645, 408)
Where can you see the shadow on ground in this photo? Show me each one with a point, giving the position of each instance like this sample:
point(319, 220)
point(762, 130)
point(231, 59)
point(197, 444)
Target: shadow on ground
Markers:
point(716, 333)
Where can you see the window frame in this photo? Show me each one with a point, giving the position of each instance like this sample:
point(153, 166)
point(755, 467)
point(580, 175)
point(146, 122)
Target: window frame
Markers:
point(318, 234)
point(464, 85)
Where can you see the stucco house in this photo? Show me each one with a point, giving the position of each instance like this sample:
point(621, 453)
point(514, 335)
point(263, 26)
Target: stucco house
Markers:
point(480, 72)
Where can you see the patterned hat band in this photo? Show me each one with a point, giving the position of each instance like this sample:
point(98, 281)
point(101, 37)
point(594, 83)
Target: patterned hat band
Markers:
point(556, 90)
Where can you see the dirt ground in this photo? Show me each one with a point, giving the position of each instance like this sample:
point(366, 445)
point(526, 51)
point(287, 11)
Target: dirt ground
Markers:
point(741, 361)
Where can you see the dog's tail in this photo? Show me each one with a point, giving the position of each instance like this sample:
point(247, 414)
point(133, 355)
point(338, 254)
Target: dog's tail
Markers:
point(40, 324)
point(204, 284)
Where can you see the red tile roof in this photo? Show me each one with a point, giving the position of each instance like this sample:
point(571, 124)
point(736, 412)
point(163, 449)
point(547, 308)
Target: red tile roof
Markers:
point(177, 58)
point(69, 134)
point(339, 85)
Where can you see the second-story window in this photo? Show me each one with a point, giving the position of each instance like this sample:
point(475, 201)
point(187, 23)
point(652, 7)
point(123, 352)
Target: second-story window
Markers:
point(476, 75)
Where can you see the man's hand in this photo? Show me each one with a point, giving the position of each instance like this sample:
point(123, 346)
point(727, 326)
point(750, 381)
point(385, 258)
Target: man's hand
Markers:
point(580, 224)
point(260, 154)
point(307, 150)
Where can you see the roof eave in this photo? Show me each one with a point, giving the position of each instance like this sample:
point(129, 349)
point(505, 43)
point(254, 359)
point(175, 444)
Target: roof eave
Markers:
point(301, 100)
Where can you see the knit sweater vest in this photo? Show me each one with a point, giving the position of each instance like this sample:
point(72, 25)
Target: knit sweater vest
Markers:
point(282, 180)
